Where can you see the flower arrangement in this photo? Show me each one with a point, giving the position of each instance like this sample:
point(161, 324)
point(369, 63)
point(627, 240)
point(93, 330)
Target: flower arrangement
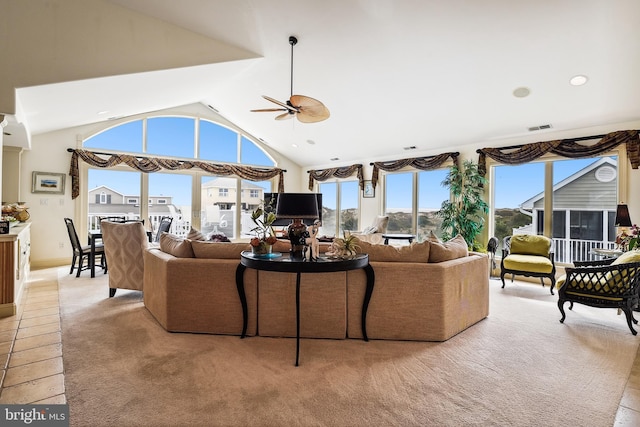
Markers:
point(628, 239)
point(265, 235)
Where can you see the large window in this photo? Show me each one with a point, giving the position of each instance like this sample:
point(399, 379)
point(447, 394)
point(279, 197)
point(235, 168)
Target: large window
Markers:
point(172, 194)
point(581, 213)
point(340, 208)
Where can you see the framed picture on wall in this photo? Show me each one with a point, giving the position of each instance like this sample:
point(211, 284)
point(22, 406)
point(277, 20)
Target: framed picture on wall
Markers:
point(368, 190)
point(47, 182)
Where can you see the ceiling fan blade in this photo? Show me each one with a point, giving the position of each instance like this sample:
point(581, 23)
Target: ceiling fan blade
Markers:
point(286, 116)
point(310, 110)
point(268, 110)
point(282, 104)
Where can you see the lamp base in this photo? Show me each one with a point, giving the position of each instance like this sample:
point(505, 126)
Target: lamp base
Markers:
point(297, 235)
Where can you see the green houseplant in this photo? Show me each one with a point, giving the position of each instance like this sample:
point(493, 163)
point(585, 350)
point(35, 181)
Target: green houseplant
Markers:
point(464, 213)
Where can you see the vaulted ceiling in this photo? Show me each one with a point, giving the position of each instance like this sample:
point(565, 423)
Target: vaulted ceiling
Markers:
point(434, 75)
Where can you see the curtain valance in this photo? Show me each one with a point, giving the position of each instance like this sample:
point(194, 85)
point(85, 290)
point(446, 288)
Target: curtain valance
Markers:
point(564, 147)
point(154, 164)
point(422, 163)
point(342, 172)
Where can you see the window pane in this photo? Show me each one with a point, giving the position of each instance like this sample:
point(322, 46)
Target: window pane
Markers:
point(252, 197)
point(175, 191)
point(329, 217)
point(431, 194)
point(171, 136)
point(217, 209)
point(516, 190)
point(111, 193)
point(587, 190)
point(123, 138)
point(348, 206)
point(399, 202)
point(251, 154)
point(218, 143)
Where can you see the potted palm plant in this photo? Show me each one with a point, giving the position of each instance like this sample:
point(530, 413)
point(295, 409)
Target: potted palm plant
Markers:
point(464, 213)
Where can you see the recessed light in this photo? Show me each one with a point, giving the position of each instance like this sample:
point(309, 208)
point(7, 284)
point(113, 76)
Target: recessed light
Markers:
point(294, 145)
point(334, 159)
point(100, 113)
point(521, 92)
point(579, 80)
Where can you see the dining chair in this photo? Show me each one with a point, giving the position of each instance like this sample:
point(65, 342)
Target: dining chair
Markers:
point(164, 226)
point(82, 252)
point(124, 245)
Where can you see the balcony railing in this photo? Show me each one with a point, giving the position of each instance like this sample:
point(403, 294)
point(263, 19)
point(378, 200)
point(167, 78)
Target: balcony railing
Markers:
point(568, 250)
point(179, 227)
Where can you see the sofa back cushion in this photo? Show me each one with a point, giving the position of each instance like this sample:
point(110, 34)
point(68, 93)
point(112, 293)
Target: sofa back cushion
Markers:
point(176, 246)
point(452, 249)
point(415, 252)
point(219, 250)
point(530, 244)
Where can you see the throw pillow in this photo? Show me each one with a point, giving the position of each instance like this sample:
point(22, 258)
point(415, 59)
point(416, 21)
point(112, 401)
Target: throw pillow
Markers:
point(370, 230)
point(195, 235)
point(415, 252)
point(176, 246)
point(453, 249)
point(627, 257)
point(219, 250)
point(433, 238)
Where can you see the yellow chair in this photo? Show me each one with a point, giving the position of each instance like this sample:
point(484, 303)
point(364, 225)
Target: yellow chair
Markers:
point(606, 283)
point(528, 255)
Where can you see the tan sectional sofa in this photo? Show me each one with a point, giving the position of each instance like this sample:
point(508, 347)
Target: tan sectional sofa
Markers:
point(414, 298)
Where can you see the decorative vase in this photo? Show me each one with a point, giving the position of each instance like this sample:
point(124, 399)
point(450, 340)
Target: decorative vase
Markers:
point(297, 231)
point(263, 248)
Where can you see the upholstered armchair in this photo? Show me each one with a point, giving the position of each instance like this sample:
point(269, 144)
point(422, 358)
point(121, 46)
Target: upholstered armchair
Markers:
point(373, 233)
point(124, 245)
point(528, 255)
point(606, 283)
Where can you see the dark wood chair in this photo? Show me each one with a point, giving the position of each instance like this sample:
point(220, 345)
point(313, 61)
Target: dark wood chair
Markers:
point(164, 226)
point(528, 255)
point(81, 252)
point(604, 283)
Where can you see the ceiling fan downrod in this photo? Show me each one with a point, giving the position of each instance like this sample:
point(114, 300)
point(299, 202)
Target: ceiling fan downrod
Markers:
point(292, 41)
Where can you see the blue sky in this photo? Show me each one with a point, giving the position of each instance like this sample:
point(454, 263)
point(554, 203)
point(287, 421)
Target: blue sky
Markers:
point(174, 137)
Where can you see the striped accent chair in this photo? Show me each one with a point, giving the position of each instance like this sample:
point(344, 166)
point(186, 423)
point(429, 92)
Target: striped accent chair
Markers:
point(124, 246)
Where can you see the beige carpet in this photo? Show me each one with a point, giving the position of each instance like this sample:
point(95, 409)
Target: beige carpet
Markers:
point(518, 367)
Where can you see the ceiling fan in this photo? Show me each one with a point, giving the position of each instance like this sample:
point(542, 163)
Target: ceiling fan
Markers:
point(305, 108)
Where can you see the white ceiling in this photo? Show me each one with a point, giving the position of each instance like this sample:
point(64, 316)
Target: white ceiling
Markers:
point(437, 75)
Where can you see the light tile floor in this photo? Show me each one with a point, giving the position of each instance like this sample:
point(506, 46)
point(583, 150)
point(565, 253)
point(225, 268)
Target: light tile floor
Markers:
point(31, 352)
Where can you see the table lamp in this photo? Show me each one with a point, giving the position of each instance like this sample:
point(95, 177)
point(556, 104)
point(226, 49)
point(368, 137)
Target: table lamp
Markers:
point(297, 207)
point(622, 216)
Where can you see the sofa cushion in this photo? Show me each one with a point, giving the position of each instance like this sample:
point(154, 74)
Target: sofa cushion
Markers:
point(532, 263)
point(219, 250)
point(415, 252)
point(627, 257)
point(452, 249)
point(176, 246)
point(195, 235)
point(530, 244)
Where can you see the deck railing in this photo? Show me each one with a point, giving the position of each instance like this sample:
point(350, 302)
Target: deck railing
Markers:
point(179, 227)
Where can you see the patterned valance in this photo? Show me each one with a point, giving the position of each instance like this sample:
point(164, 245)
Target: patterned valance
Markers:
point(565, 147)
point(154, 164)
point(343, 172)
point(422, 163)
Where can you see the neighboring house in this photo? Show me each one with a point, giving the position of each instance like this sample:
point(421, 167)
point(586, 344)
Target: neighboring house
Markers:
point(104, 201)
point(584, 209)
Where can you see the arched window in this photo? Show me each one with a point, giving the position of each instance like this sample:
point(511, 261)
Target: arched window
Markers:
point(179, 138)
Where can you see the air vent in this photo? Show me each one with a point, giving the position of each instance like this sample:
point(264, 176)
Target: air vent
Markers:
point(541, 127)
point(334, 159)
point(212, 108)
point(605, 174)
point(411, 147)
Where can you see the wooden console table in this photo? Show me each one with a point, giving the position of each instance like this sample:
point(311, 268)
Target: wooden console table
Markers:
point(284, 263)
point(15, 251)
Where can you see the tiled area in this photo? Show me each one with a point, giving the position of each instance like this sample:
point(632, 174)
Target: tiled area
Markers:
point(31, 352)
point(31, 345)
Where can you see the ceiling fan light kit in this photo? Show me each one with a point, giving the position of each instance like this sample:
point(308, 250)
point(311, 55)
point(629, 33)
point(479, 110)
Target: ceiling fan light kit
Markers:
point(305, 108)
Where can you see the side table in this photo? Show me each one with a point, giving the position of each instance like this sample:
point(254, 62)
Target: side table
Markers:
point(408, 237)
point(284, 263)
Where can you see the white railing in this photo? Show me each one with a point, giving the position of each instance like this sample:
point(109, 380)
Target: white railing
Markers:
point(179, 227)
point(568, 250)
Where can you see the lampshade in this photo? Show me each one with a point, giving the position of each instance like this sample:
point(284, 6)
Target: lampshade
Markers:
point(622, 216)
point(297, 206)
